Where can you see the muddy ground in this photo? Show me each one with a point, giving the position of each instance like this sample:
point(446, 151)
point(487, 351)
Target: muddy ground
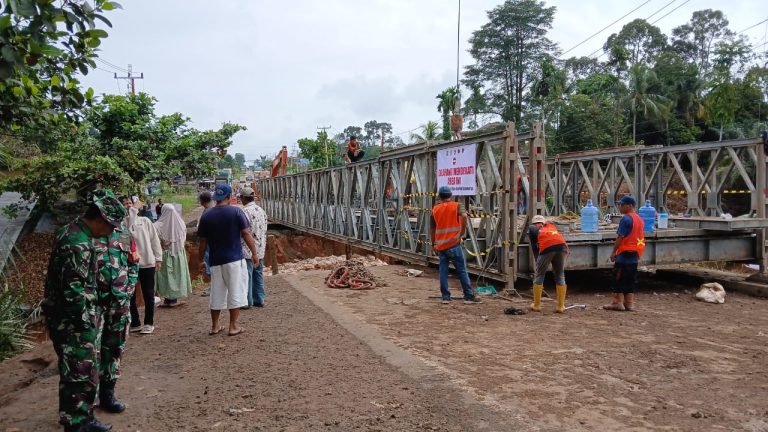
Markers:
point(294, 369)
point(395, 359)
point(676, 364)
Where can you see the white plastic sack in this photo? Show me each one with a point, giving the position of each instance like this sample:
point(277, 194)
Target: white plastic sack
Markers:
point(711, 292)
point(414, 273)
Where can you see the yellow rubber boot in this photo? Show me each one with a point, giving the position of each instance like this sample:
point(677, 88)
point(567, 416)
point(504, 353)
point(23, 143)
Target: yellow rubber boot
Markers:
point(561, 289)
point(537, 290)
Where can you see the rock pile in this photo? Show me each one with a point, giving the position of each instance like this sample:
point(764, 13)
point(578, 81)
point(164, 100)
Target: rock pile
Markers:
point(327, 263)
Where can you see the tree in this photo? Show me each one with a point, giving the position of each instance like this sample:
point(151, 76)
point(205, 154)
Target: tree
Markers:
point(121, 144)
point(45, 44)
point(637, 42)
point(240, 160)
point(642, 99)
point(698, 39)
point(449, 102)
point(508, 50)
point(430, 131)
point(321, 151)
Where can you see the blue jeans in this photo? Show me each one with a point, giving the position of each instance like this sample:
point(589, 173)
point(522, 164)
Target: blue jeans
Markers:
point(255, 283)
point(454, 255)
point(207, 261)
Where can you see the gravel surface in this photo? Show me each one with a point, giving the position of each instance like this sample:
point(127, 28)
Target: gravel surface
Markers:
point(294, 369)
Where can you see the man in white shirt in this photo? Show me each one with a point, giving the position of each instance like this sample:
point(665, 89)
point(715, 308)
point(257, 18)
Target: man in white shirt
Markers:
point(258, 219)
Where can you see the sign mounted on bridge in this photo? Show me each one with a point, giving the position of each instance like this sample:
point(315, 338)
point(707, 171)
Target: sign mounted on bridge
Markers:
point(456, 169)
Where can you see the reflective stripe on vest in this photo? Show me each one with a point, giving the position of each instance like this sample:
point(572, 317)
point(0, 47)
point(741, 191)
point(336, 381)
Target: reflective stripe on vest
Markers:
point(549, 236)
point(635, 240)
point(447, 225)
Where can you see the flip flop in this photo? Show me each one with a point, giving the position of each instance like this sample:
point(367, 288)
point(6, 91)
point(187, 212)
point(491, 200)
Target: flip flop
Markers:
point(217, 331)
point(237, 332)
point(514, 311)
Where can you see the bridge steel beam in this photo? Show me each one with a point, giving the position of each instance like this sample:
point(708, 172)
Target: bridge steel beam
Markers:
point(384, 205)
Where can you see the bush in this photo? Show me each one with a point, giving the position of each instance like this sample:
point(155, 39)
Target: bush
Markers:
point(13, 325)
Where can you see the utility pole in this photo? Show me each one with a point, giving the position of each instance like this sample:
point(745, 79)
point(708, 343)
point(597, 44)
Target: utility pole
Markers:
point(325, 141)
point(131, 77)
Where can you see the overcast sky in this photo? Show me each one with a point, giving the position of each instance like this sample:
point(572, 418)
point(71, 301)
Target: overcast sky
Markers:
point(284, 68)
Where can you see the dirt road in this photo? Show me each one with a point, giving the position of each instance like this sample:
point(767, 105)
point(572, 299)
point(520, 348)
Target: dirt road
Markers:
point(674, 365)
point(294, 369)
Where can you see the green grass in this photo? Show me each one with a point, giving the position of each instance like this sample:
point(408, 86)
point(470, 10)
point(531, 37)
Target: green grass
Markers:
point(188, 201)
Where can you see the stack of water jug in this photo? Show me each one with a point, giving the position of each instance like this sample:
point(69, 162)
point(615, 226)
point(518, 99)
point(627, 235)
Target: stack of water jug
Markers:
point(590, 217)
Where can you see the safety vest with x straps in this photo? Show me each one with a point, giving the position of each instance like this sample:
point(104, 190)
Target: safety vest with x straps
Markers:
point(635, 240)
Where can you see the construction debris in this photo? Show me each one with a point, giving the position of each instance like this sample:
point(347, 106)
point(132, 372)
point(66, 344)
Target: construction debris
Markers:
point(327, 263)
point(352, 274)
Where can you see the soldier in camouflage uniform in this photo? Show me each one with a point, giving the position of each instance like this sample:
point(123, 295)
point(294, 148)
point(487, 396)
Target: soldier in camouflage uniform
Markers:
point(89, 283)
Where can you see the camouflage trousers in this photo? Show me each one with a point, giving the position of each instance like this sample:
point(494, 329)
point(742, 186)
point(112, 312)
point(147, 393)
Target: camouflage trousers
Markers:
point(89, 352)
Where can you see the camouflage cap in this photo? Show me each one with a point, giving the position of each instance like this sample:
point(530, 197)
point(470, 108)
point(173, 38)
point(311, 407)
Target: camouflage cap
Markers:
point(111, 209)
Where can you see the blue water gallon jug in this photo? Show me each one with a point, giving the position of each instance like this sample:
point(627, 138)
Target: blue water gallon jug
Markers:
point(648, 214)
point(590, 216)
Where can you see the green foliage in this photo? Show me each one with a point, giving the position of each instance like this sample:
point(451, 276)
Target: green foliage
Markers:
point(637, 42)
point(121, 144)
point(508, 51)
point(430, 132)
point(45, 44)
point(13, 325)
point(449, 104)
point(321, 152)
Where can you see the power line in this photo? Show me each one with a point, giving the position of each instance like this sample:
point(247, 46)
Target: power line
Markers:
point(111, 65)
point(753, 26)
point(647, 18)
point(665, 6)
point(668, 13)
point(603, 29)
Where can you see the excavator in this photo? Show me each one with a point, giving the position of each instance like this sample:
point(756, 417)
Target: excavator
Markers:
point(280, 164)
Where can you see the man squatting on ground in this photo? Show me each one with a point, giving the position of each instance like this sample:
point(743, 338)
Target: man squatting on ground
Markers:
point(449, 224)
point(91, 276)
point(548, 246)
point(626, 254)
point(221, 229)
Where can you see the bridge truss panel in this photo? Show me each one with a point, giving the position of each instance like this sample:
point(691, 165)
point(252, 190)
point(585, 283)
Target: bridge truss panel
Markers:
point(384, 205)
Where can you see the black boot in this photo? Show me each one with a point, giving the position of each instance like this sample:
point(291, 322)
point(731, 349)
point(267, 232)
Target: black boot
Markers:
point(107, 400)
point(90, 425)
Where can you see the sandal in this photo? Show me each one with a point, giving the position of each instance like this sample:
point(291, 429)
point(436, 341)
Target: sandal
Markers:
point(237, 332)
point(217, 331)
point(514, 311)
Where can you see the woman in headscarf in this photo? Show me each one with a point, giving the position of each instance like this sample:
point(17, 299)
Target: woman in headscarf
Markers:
point(150, 252)
point(173, 281)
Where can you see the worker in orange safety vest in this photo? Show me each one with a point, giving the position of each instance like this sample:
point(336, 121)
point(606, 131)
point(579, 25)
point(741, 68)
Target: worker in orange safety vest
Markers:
point(549, 247)
point(449, 223)
point(626, 254)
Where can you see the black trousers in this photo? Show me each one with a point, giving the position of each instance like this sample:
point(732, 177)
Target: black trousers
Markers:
point(147, 280)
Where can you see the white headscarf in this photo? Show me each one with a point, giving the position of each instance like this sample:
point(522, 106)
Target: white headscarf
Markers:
point(171, 229)
point(133, 216)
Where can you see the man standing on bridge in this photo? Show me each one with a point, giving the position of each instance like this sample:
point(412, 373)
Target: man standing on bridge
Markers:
point(449, 224)
point(626, 254)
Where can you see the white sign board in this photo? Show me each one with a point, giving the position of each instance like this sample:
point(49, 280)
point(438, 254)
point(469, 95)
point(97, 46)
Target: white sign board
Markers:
point(456, 169)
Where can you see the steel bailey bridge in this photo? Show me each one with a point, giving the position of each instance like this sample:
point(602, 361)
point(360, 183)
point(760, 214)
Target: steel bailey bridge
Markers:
point(384, 205)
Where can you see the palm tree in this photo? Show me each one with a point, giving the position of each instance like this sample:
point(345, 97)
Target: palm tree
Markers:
point(429, 132)
point(642, 98)
point(449, 99)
